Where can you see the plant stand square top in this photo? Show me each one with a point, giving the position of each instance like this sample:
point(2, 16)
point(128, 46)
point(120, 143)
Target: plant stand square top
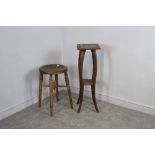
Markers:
point(88, 47)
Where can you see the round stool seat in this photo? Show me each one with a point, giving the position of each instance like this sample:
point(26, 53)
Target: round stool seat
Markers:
point(53, 69)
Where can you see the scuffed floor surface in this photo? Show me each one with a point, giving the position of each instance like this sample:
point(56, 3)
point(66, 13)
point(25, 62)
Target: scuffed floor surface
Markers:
point(110, 116)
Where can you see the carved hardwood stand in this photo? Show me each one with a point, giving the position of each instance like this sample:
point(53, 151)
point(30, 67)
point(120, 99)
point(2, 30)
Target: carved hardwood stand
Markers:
point(92, 82)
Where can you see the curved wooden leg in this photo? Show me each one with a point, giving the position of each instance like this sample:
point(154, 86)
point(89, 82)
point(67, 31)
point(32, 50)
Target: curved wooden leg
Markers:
point(40, 88)
point(80, 66)
point(68, 89)
point(57, 91)
point(94, 97)
point(81, 98)
point(51, 94)
point(94, 57)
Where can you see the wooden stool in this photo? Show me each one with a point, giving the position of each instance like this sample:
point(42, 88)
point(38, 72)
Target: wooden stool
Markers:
point(53, 69)
point(82, 49)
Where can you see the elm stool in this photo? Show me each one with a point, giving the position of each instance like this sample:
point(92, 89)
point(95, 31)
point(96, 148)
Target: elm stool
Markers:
point(53, 70)
point(92, 82)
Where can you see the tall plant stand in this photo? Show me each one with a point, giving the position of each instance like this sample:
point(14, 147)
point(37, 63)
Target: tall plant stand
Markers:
point(92, 82)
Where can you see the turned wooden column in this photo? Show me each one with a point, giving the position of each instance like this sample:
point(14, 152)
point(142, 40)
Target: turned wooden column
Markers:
point(92, 82)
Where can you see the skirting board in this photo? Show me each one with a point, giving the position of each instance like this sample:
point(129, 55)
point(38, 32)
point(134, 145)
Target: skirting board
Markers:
point(112, 100)
point(119, 102)
point(18, 107)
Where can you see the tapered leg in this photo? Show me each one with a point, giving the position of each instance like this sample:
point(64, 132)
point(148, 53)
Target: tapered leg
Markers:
point(40, 88)
point(94, 57)
point(57, 91)
point(68, 89)
point(80, 66)
point(94, 97)
point(51, 94)
point(80, 98)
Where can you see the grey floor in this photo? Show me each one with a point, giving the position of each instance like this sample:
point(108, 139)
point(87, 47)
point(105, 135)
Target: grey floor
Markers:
point(110, 116)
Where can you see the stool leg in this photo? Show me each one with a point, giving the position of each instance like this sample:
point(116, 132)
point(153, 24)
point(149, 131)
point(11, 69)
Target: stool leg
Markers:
point(51, 94)
point(68, 89)
point(57, 91)
point(40, 88)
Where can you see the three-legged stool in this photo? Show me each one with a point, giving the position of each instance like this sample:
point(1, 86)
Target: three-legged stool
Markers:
point(53, 70)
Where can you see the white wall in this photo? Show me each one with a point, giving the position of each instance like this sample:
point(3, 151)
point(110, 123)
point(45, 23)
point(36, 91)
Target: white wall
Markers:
point(22, 51)
point(126, 63)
